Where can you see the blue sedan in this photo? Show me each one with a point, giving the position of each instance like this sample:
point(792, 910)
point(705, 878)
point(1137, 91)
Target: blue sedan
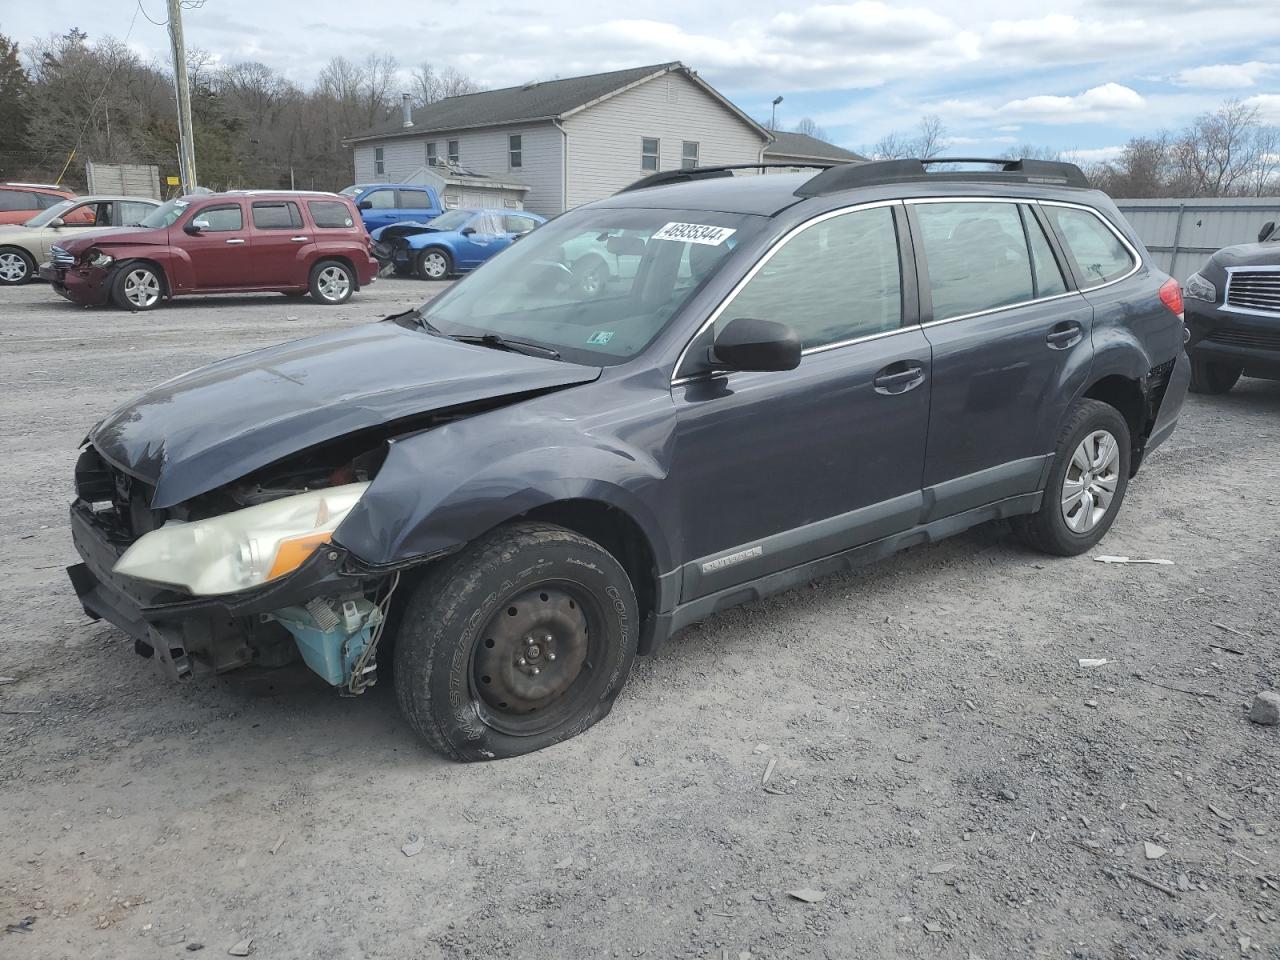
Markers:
point(454, 242)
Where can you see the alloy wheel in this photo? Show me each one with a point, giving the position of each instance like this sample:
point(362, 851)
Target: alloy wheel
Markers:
point(433, 266)
point(13, 268)
point(142, 288)
point(333, 283)
point(1091, 480)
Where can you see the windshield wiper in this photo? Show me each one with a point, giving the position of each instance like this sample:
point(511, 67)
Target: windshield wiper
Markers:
point(502, 343)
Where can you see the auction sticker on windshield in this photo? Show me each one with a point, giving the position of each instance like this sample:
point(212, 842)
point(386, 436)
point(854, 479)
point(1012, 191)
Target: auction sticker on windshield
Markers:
point(695, 233)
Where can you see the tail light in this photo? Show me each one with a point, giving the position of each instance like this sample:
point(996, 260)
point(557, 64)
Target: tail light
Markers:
point(1171, 297)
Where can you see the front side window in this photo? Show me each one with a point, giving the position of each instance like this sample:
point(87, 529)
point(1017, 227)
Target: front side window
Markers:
point(379, 166)
point(595, 284)
point(277, 215)
point(838, 279)
point(432, 157)
point(977, 257)
point(515, 150)
point(47, 200)
point(382, 200)
point(1099, 255)
point(454, 154)
point(453, 220)
point(648, 154)
point(64, 209)
point(221, 219)
point(330, 214)
point(689, 154)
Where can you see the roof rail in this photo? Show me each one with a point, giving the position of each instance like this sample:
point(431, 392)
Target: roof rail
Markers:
point(847, 176)
point(686, 174)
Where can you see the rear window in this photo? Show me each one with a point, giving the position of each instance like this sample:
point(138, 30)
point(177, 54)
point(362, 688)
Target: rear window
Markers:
point(330, 213)
point(1099, 255)
point(276, 215)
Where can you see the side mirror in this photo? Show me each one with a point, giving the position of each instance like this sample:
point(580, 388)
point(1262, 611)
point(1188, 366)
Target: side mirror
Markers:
point(196, 225)
point(57, 222)
point(468, 231)
point(1268, 228)
point(750, 344)
point(364, 205)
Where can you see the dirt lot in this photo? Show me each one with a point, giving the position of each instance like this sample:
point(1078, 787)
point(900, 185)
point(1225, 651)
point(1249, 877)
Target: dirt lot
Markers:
point(947, 777)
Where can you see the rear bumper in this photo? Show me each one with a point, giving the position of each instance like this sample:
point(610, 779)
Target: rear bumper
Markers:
point(1250, 341)
point(1175, 394)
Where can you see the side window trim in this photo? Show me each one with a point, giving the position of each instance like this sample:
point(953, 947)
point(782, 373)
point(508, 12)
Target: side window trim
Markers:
point(1071, 260)
point(1055, 244)
point(768, 255)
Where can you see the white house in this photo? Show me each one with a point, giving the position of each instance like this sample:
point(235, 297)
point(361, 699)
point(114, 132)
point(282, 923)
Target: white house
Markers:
point(569, 141)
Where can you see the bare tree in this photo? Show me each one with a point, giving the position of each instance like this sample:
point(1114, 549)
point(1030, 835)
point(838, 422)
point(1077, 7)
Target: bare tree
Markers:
point(431, 85)
point(1219, 150)
point(810, 128)
point(1263, 178)
point(929, 141)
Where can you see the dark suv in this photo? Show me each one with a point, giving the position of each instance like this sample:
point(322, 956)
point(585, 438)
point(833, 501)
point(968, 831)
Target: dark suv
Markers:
point(525, 483)
point(1233, 314)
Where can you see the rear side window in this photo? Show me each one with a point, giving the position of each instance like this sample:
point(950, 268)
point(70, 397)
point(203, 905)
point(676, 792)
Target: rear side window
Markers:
point(330, 214)
point(131, 211)
point(277, 215)
point(838, 279)
point(977, 257)
point(17, 200)
point(222, 219)
point(1099, 255)
point(382, 199)
point(517, 224)
point(414, 200)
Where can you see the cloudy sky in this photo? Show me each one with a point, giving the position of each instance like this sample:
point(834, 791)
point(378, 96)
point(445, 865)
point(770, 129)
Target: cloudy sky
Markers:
point(1082, 78)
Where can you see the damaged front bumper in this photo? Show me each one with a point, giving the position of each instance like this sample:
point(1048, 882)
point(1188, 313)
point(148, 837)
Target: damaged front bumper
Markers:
point(267, 625)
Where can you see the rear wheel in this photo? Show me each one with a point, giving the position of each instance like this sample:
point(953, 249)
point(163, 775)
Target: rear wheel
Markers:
point(331, 282)
point(518, 642)
point(137, 286)
point(1208, 376)
point(434, 264)
point(1086, 485)
point(16, 267)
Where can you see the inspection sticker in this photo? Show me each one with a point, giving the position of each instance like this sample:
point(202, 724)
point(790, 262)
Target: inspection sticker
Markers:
point(695, 233)
point(600, 337)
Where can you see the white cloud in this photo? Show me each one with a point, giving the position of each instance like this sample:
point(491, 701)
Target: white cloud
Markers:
point(1060, 39)
point(1226, 76)
point(1095, 154)
point(1268, 105)
point(1095, 105)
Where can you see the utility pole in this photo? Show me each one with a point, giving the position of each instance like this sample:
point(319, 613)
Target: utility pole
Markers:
point(186, 143)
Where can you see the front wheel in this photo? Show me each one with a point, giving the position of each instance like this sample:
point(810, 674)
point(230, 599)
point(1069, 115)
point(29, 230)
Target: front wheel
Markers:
point(1086, 485)
point(331, 282)
point(137, 286)
point(434, 264)
point(16, 267)
point(520, 641)
point(1213, 378)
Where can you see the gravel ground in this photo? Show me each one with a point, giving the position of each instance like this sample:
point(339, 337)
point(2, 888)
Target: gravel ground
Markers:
point(945, 777)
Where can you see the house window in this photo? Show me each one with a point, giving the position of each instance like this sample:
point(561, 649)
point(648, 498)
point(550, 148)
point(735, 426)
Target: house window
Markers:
point(378, 166)
point(648, 154)
point(432, 159)
point(514, 152)
point(453, 151)
point(689, 154)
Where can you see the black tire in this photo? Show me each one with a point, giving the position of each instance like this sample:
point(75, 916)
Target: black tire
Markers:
point(1047, 530)
point(462, 676)
point(424, 267)
point(1211, 377)
point(137, 286)
point(16, 267)
point(331, 283)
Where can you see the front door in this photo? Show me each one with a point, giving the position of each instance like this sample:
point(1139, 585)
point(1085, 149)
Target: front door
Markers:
point(383, 208)
point(1011, 347)
point(219, 255)
point(281, 244)
point(487, 238)
point(777, 469)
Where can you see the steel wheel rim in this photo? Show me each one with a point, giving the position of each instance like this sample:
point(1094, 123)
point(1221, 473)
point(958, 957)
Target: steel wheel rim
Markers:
point(141, 288)
point(12, 267)
point(592, 281)
point(333, 283)
point(522, 682)
point(1090, 482)
point(433, 265)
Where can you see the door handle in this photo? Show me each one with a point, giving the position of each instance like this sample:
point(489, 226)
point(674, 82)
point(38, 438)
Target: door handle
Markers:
point(299, 239)
point(899, 378)
point(1063, 336)
point(235, 241)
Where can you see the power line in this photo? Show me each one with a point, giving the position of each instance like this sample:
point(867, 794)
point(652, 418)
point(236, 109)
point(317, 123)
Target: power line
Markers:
point(158, 23)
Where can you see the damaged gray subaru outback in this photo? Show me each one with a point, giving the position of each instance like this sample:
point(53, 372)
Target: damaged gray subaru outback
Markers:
point(508, 494)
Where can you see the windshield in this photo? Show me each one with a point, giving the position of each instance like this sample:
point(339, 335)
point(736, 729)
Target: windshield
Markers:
point(596, 285)
point(453, 220)
point(57, 210)
point(349, 191)
point(165, 214)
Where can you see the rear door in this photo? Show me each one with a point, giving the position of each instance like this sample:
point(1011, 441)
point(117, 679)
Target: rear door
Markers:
point(1011, 347)
point(281, 244)
point(219, 255)
point(415, 204)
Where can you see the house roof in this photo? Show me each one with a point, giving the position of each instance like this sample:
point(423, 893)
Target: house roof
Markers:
point(547, 100)
point(806, 147)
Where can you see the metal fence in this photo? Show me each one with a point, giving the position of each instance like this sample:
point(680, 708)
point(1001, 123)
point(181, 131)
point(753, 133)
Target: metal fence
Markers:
point(1182, 233)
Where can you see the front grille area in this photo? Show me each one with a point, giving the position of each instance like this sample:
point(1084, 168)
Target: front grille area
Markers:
point(1266, 339)
point(60, 257)
point(1254, 290)
point(98, 483)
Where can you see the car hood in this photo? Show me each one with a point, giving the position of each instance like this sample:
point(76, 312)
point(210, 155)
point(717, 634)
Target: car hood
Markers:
point(218, 423)
point(133, 236)
point(1250, 255)
point(17, 233)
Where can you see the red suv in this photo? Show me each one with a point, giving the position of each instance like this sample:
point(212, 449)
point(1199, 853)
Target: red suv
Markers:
point(19, 202)
point(291, 242)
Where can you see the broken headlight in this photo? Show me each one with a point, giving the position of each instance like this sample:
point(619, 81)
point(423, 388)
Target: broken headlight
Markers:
point(241, 549)
point(96, 258)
